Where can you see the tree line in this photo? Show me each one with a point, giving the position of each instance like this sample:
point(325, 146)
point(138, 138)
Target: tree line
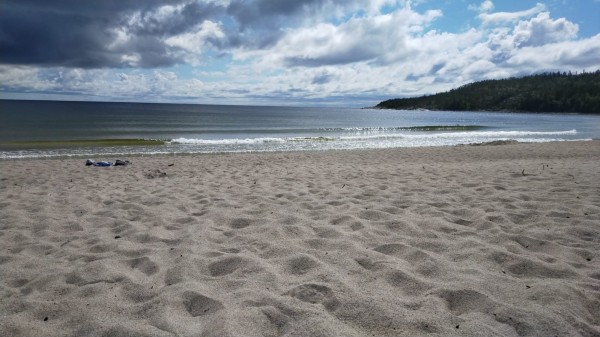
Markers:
point(547, 92)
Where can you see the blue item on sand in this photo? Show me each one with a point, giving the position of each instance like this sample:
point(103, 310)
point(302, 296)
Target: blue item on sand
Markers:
point(103, 163)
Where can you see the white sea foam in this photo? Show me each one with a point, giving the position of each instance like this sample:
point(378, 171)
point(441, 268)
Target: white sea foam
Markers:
point(460, 134)
point(247, 141)
point(389, 136)
point(327, 141)
point(233, 141)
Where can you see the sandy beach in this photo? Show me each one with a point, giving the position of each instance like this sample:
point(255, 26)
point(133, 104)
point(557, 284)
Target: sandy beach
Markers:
point(454, 241)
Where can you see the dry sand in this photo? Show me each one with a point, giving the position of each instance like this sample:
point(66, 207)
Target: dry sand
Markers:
point(461, 241)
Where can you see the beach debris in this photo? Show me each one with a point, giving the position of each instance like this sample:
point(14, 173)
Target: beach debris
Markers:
point(155, 174)
point(91, 162)
point(119, 162)
point(46, 319)
point(523, 172)
point(171, 164)
point(495, 143)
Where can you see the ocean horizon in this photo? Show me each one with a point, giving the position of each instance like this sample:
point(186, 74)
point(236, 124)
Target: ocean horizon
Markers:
point(49, 129)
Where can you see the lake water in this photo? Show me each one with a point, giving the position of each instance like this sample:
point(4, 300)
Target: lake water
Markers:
point(30, 129)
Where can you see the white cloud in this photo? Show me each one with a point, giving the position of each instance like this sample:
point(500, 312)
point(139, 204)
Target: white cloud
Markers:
point(24, 78)
point(573, 55)
point(151, 20)
point(195, 41)
point(503, 17)
point(380, 38)
point(542, 30)
point(485, 6)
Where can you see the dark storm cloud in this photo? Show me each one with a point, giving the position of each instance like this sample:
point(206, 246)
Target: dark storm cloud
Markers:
point(190, 14)
point(259, 22)
point(253, 13)
point(75, 33)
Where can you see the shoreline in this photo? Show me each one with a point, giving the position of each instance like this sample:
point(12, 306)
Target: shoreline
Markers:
point(450, 241)
point(175, 154)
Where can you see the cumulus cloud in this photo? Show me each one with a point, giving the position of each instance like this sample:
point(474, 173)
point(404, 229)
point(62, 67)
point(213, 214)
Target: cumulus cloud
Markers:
point(316, 50)
point(542, 30)
point(378, 39)
point(503, 17)
point(579, 54)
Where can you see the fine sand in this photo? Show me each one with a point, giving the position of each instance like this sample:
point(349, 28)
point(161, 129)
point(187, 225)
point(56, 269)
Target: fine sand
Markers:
point(456, 241)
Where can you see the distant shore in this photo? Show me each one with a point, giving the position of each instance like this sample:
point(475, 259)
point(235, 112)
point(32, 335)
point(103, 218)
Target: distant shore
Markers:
point(542, 93)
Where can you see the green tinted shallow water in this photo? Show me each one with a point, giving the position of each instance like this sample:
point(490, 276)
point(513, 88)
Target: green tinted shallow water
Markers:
point(57, 144)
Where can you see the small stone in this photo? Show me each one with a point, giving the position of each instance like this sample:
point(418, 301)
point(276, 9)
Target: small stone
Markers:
point(45, 318)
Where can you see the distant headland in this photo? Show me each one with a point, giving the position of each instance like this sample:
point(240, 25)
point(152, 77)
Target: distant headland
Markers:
point(548, 92)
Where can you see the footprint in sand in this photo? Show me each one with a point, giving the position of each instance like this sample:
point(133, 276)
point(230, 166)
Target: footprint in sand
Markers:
point(200, 305)
point(405, 281)
point(394, 249)
point(347, 220)
point(315, 294)
point(144, 264)
point(239, 223)
point(225, 266)
point(301, 264)
point(462, 301)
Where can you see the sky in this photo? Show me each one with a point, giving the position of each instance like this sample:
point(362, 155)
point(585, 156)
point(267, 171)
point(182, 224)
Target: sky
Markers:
point(274, 52)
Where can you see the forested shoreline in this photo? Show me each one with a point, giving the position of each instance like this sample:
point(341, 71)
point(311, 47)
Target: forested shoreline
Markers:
point(548, 92)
